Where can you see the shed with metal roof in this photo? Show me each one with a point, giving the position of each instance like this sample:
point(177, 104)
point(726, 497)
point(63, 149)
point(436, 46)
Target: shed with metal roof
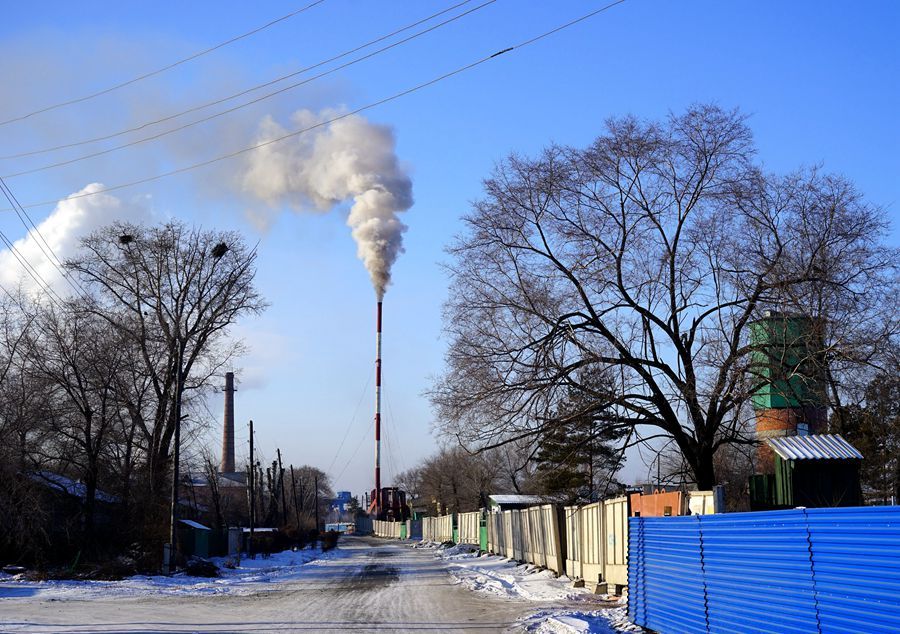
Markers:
point(816, 447)
point(819, 470)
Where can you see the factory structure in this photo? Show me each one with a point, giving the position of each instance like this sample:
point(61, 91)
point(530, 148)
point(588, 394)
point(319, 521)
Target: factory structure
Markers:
point(798, 464)
point(385, 503)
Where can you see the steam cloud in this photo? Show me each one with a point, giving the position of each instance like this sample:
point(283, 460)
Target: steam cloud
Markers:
point(71, 220)
point(350, 158)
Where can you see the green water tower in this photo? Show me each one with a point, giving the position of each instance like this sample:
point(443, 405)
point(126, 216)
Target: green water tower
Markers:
point(788, 362)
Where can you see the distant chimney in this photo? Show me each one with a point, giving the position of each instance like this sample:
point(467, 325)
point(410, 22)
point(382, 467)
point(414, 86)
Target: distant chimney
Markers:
point(227, 465)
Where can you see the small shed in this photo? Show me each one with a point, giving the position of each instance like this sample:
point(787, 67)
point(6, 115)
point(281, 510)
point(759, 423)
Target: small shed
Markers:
point(193, 538)
point(819, 470)
point(513, 502)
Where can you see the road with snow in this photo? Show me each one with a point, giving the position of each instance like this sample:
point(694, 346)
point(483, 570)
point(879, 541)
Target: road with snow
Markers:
point(366, 585)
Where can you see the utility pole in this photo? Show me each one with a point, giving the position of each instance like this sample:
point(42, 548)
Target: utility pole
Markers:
point(302, 493)
point(250, 479)
point(173, 515)
point(294, 492)
point(317, 504)
point(281, 486)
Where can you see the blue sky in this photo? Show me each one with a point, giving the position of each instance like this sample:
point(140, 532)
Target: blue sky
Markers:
point(818, 79)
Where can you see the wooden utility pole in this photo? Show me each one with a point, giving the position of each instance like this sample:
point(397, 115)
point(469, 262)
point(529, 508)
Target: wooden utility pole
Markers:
point(281, 484)
point(317, 504)
point(250, 479)
point(176, 455)
point(294, 492)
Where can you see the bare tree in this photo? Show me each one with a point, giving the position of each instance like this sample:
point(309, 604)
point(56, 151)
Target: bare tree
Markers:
point(454, 480)
point(646, 256)
point(79, 357)
point(173, 291)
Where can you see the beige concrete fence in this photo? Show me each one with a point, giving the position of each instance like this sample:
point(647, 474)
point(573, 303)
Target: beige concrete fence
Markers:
point(468, 526)
point(531, 535)
point(596, 537)
point(438, 529)
point(386, 529)
point(597, 542)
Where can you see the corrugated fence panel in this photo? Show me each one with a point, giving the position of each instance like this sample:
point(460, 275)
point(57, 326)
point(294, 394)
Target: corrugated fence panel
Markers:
point(856, 557)
point(834, 570)
point(669, 575)
point(637, 599)
point(753, 560)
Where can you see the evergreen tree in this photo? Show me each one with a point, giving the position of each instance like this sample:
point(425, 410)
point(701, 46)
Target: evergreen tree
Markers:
point(577, 459)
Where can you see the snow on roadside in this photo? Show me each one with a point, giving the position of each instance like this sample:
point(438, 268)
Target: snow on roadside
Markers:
point(508, 579)
point(249, 576)
point(608, 621)
point(503, 577)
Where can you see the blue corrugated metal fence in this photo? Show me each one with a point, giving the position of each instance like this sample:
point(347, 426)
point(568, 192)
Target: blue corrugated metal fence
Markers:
point(802, 570)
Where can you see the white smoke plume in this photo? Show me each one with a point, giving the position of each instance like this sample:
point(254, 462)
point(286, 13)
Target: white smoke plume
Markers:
point(351, 158)
point(71, 220)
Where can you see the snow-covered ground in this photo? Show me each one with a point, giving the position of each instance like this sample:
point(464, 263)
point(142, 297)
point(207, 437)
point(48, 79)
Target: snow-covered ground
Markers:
point(606, 621)
point(366, 584)
point(248, 576)
point(505, 578)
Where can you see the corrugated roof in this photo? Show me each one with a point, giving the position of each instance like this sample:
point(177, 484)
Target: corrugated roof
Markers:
point(815, 447)
point(194, 524)
point(517, 499)
point(70, 486)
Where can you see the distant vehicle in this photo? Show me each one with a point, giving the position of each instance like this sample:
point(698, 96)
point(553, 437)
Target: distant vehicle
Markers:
point(393, 507)
point(341, 527)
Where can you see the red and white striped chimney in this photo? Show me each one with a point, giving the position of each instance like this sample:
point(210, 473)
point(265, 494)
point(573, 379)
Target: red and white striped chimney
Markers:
point(378, 410)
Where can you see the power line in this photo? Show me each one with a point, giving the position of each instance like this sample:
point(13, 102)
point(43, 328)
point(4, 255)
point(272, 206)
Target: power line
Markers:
point(369, 106)
point(162, 69)
point(350, 424)
point(355, 451)
point(392, 423)
point(45, 248)
point(246, 104)
point(243, 92)
point(32, 272)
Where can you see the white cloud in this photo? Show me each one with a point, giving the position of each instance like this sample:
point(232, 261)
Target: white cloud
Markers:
point(71, 219)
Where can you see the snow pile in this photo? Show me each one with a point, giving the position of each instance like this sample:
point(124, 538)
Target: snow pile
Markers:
point(506, 578)
point(608, 621)
point(570, 608)
point(248, 576)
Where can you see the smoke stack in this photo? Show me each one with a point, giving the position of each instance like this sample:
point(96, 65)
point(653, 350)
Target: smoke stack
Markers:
point(378, 410)
point(227, 465)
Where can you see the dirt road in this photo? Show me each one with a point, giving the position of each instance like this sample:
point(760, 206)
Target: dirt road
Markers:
point(370, 585)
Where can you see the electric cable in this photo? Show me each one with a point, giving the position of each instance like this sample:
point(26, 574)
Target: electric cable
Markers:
point(352, 420)
point(254, 88)
point(32, 272)
point(364, 108)
point(162, 69)
point(392, 422)
point(364, 437)
point(246, 104)
point(45, 248)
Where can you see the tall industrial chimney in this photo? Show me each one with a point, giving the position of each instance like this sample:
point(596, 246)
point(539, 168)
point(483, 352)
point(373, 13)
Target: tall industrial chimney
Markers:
point(227, 465)
point(378, 410)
